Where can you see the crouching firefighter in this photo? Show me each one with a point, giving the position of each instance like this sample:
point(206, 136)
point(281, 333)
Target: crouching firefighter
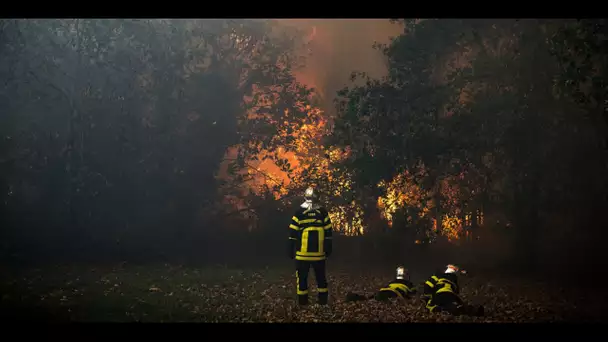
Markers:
point(310, 243)
point(400, 287)
point(441, 294)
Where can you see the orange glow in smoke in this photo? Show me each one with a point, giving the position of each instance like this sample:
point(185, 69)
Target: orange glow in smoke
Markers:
point(335, 48)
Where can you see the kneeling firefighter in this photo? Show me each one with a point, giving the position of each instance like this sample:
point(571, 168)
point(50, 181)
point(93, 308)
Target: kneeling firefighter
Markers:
point(310, 243)
point(441, 293)
point(400, 287)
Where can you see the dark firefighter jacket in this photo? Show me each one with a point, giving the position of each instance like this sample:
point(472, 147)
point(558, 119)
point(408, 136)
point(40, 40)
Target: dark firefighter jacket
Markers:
point(401, 287)
point(398, 288)
point(442, 294)
point(310, 234)
point(441, 283)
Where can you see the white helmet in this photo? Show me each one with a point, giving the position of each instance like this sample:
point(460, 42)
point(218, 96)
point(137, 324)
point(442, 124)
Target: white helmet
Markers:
point(310, 194)
point(402, 273)
point(451, 269)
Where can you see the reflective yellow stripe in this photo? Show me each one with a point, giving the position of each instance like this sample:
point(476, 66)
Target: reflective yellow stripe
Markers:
point(444, 281)
point(435, 278)
point(429, 284)
point(447, 284)
point(445, 289)
point(429, 306)
point(400, 286)
point(295, 219)
point(326, 219)
point(292, 226)
point(307, 221)
point(327, 226)
point(300, 292)
point(322, 289)
point(310, 258)
point(312, 254)
point(304, 247)
point(392, 290)
point(395, 287)
point(305, 234)
point(321, 238)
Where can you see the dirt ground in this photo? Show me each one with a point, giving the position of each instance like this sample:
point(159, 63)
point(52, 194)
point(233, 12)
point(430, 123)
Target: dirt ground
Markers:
point(173, 293)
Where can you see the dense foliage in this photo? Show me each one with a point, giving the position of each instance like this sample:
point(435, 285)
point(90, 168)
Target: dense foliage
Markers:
point(157, 131)
point(113, 130)
point(511, 112)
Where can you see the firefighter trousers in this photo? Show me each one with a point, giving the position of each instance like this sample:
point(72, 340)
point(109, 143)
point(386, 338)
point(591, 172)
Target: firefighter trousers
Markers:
point(446, 302)
point(302, 270)
point(453, 304)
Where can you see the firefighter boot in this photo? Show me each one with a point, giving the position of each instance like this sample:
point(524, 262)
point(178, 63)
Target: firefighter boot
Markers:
point(303, 299)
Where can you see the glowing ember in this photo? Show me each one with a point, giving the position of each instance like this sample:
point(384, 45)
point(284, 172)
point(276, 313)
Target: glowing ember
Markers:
point(348, 220)
point(401, 192)
point(404, 194)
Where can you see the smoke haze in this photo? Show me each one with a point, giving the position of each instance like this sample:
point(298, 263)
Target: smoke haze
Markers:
point(340, 46)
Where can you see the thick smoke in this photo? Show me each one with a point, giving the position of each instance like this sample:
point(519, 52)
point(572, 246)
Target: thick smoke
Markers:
point(339, 47)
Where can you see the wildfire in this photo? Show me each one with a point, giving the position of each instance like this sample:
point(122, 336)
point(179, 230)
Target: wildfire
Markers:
point(348, 219)
point(315, 167)
point(451, 227)
point(402, 192)
point(309, 162)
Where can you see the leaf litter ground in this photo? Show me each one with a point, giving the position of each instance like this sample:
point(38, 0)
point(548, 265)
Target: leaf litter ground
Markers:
point(168, 293)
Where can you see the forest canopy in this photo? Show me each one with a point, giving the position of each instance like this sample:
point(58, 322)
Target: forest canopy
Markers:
point(112, 130)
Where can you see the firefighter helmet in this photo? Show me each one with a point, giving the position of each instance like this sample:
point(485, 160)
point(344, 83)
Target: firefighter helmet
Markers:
point(451, 269)
point(310, 194)
point(402, 273)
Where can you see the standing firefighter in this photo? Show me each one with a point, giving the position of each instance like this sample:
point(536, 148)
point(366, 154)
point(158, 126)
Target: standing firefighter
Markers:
point(310, 243)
